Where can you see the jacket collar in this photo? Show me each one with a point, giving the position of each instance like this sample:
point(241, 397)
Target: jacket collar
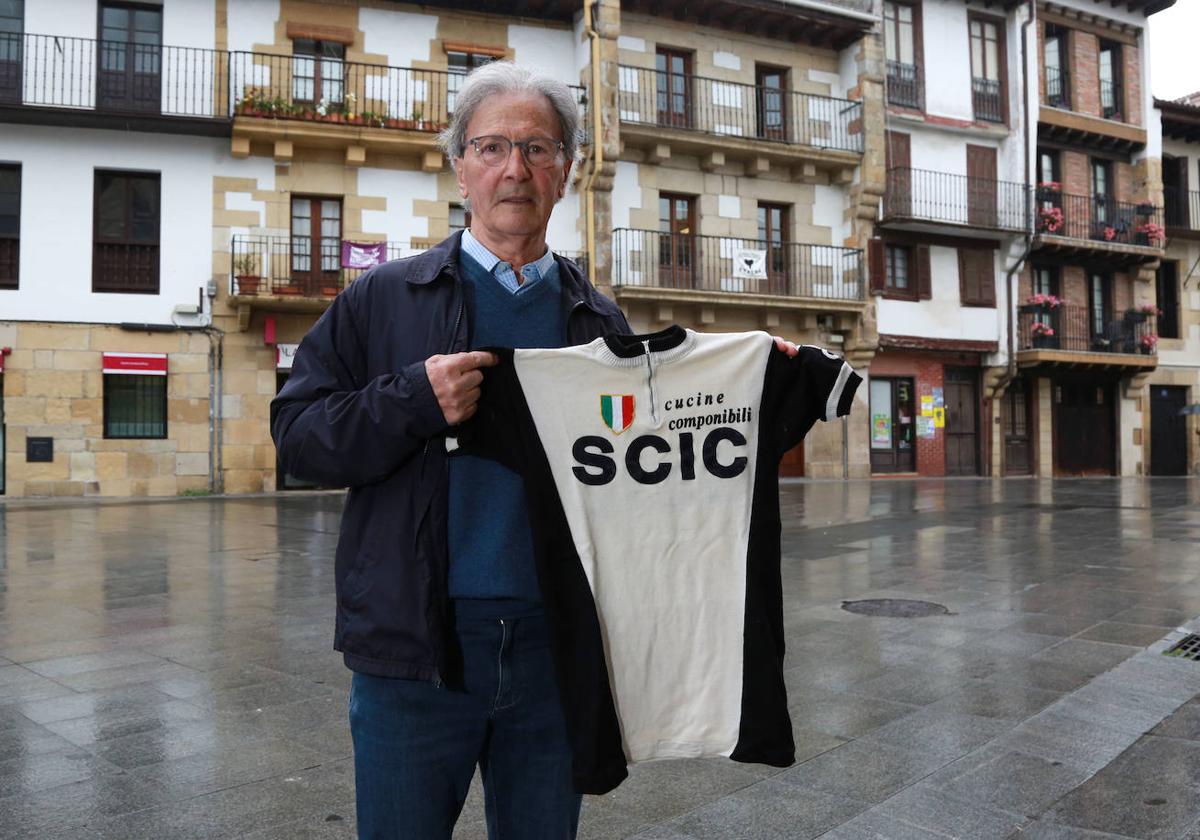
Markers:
point(442, 259)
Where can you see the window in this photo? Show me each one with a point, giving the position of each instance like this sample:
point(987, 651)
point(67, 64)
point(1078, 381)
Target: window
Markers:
point(316, 245)
point(126, 230)
point(772, 116)
point(674, 87)
point(1058, 84)
point(135, 406)
point(460, 64)
point(677, 241)
point(318, 72)
point(1045, 282)
point(987, 67)
point(1101, 199)
point(10, 225)
point(130, 65)
point(1099, 304)
point(977, 276)
point(1110, 81)
point(900, 47)
point(460, 218)
point(1166, 283)
point(773, 234)
point(12, 25)
point(898, 258)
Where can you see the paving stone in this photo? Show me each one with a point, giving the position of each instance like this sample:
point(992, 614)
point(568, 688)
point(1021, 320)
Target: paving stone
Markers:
point(1007, 780)
point(943, 732)
point(925, 807)
point(1123, 634)
point(766, 811)
point(864, 770)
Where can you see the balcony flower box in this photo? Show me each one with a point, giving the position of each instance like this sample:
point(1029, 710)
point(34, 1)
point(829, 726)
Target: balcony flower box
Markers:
point(1148, 343)
point(1041, 303)
point(1049, 191)
point(1152, 234)
point(1050, 219)
point(1042, 335)
point(1145, 209)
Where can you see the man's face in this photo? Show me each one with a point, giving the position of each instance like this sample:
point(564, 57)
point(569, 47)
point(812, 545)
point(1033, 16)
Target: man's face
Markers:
point(513, 199)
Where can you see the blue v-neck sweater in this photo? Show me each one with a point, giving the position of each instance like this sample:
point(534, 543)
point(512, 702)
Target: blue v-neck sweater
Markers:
point(491, 547)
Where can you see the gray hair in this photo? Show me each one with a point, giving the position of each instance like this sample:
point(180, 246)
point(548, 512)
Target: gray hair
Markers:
point(503, 77)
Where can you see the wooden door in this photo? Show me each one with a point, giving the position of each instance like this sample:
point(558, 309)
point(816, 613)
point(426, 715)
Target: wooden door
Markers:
point(1018, 425)
point(981, 186)
point(898, 159)
point(772, 236)
point(1168, 430)
point(791, 465)
point(772, 111)
point(316, 247)
point(12, 27)
point(674, 81)
point(129, 75)
point(962, 422)
point(1084, 427)
point(677, 241)
point(1175, 191)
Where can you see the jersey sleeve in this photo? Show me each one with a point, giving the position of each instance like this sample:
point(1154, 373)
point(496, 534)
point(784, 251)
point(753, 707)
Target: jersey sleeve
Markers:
point(493, 431)
point(802, 389)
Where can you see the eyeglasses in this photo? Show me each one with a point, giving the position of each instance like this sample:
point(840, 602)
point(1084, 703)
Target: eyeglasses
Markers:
point(539, 152)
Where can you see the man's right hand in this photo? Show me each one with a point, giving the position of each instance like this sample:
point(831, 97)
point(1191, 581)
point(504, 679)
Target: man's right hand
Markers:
point(456, 379)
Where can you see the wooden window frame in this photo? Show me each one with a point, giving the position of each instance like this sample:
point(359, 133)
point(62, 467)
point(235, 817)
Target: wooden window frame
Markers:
point(1001, 61)
point(318, 81)
point(101, 284)
point(1106, 303)
point(918, 47)
point(683, 274)
point(107, 398)
point(760, 109)
point(1063, 35)
point(1173, 312)
point(985, 277)
point(311, 283)
point(1118, 79)
point(10, 244)
point(777, 255)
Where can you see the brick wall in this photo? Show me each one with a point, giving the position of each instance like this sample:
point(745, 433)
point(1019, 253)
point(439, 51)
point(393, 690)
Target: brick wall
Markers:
point(927, 373)
point(1132, 76)
point(1085, 73)
point(1076, 177)
point(1122, 294)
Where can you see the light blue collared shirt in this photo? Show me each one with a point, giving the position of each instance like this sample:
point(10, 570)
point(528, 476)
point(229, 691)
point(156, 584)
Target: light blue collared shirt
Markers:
point(502, 271)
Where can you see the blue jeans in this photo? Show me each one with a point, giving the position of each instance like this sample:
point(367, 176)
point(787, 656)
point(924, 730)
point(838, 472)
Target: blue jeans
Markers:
point(416, 745)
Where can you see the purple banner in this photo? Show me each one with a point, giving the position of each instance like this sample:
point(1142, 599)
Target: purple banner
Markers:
point(363, 254)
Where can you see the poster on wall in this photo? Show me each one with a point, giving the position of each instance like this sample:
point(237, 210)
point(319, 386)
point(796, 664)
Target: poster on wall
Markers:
point(939, 418)
point(926, 405)
point(939, 398)
point(881, 430)
point(925, 427)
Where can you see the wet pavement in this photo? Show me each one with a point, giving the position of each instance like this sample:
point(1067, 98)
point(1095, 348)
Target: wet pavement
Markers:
point(166, 672)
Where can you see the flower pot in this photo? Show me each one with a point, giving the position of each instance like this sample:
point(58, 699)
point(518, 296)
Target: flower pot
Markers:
point(1044, 342)
point(247, 284)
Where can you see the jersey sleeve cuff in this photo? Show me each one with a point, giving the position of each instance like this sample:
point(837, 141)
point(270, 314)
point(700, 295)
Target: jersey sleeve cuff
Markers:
point(841, 396)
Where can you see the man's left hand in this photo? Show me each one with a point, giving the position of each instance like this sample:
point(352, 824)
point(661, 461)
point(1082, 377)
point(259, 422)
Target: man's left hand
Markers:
point(786, 346)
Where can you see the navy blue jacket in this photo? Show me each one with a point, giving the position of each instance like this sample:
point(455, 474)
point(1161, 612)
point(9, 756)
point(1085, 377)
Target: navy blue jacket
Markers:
point(358, 411)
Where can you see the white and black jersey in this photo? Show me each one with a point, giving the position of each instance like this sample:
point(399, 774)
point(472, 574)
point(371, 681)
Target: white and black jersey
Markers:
point(651, 465)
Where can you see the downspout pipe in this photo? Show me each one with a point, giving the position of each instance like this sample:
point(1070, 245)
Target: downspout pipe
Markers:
point(589, 24)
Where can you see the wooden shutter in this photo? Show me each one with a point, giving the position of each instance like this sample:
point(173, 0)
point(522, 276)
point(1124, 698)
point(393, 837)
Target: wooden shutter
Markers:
point(898, 151)
point(875, 265)
point(976, 277)
point(924, 273)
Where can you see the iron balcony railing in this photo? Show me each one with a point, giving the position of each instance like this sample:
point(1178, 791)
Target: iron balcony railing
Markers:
point(1058, 87)
point(1182, 208)
point(1098, 218)
point(305, 87)
point(904, 85)
point(729, 264)
point(10, 261)
point(580, 258)
point(1110, 100)
point(711, 106)
point(51, 71)
point(293, 267)
point(922, 195)
point(1078, 330)
point(987, 99)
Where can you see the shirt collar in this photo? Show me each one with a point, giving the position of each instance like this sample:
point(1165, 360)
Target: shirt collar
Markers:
point(479, 252)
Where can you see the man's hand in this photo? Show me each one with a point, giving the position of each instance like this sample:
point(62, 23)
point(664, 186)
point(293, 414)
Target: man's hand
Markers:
point(456, 379)
point(786, 346)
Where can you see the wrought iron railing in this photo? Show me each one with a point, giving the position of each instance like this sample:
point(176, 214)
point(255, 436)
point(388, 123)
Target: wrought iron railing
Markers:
point(1110, 100)
point(1182, 208)
point(924, 195)
point(904, 85)
point(987, 99)
point(294, 267)
point(1058, 87)
point(580, 258)
point(1098, 218)
point(710, 106)
point(10, 262)
point(730, 264)
point(1074, 329)
point(127, 267)
point(54, 71)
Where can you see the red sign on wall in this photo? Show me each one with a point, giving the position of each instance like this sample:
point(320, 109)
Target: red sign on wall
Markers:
point(145, 364)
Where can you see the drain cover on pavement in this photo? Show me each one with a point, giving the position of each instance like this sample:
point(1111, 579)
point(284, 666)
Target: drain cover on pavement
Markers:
point(895, 608)
point(1186, 648)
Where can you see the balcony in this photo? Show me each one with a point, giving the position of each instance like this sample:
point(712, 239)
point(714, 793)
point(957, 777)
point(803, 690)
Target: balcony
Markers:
point(55, 80)
point(1182, 212)
point(684, 111)
point(649, 264)
point(1110, 131)
point(1081, 226)
point(988, 100)
point(904, 85)
point(1058, 87)
point(1066, 336)
point(919, 199)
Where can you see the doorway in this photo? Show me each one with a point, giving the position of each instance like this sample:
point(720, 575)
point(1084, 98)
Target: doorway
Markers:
point(893, 426)
point(1168, 430)
point(1085, 427)
point(962, 421)
point(1018, 425)
point(129, 76)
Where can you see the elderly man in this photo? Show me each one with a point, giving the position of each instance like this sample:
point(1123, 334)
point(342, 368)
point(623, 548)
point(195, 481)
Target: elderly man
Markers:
point(439, 612)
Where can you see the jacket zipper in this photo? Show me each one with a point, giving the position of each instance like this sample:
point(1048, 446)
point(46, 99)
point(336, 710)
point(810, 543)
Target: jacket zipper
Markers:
point(650, 383)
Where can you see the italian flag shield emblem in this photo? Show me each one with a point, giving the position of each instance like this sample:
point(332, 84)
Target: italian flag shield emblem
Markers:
point(617, 411)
